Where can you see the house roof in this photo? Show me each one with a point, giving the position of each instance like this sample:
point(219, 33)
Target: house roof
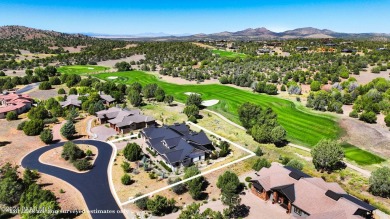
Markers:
point(123, 117)
point(12, 102)
point(177, 142)
point(318, 198)
point(73, 99)
point(107, 98)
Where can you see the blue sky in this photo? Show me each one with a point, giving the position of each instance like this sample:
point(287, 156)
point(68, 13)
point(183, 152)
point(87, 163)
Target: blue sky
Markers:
point(197, 16)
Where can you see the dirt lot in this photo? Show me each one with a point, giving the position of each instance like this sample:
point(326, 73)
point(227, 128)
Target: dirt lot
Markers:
point(368, 136)
point(19, 73)
point(53, 157)
point(367, 76)
point(46, 94)
point(70, 49)
point(127, 46)
point(141, 182)
point(203, 45)
point(15, 144)
point(111, 63)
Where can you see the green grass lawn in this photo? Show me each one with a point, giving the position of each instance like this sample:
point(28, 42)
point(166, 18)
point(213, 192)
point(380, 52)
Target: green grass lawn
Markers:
point(228, 54)
point(360, 156)
point(303, 126)
point(81, 69)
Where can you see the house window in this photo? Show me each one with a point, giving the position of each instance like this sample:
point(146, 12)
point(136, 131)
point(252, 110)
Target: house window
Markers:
point(297, 211)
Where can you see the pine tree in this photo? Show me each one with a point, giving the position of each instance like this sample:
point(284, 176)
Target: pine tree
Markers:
point(68, 130)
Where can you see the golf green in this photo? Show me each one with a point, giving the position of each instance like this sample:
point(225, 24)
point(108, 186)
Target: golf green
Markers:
point(360, 156)
point(228, 54)
point(81, 69)
point(303, 126)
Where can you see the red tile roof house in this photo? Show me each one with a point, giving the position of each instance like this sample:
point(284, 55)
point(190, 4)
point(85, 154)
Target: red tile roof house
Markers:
point(307, 197)
point(18, 103)
point(124, 120)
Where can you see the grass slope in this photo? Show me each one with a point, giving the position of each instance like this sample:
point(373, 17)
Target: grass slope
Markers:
point(303, 127)
point(360, 156)
point(81, 69)
point(228, 54)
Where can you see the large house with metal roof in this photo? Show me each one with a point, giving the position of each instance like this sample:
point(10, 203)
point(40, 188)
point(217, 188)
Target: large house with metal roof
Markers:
point(124, 120)
point(304, 196)
point(177, 145)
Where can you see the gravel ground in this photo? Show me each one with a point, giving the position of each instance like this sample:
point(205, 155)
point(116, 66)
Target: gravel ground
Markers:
point(111, 63)
point(46, 94)
point(368, 136)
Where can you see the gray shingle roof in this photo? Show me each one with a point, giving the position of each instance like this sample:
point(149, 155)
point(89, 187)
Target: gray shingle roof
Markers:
point(123, 117)
point(71, 100)
point(176, 143)
point(107, 98)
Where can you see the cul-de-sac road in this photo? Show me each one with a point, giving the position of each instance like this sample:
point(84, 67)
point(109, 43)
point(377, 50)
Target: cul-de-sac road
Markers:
point(93, 185)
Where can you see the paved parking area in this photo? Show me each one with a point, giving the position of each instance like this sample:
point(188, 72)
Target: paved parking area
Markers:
point(103, 132)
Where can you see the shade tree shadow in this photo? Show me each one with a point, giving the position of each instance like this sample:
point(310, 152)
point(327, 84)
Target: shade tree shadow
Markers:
point(4, 143)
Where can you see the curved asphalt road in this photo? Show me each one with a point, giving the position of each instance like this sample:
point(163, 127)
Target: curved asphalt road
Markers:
point(27, 88)
point(93, 185)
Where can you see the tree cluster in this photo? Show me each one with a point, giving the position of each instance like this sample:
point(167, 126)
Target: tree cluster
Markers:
point(261, 124)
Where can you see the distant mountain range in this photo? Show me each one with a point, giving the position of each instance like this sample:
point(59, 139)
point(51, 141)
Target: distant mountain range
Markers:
point(139, 35)
point(262, 33)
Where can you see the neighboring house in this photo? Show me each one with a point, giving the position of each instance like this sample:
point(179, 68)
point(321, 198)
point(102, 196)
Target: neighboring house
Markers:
point(306, 197)
point(73, 100)
point(348, 50)
point(330, 44)
point(18, 103)
point(302, 48)
point(107, 99)
point(177, 145)
point(264, 50)
point(124, 120)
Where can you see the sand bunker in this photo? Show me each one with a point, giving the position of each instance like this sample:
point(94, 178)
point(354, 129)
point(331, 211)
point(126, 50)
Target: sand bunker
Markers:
point(112, 77)
point(190, 93)
point(209, 102)
point(90, 68)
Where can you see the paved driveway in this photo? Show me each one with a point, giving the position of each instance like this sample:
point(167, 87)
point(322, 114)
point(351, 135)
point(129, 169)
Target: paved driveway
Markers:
point(56, 130)
point(93, 185)
point(27, 88)
point(103, 132)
